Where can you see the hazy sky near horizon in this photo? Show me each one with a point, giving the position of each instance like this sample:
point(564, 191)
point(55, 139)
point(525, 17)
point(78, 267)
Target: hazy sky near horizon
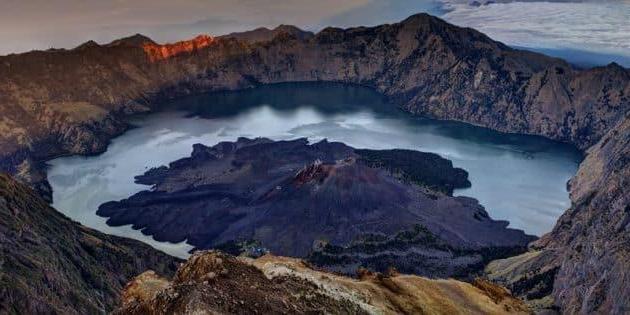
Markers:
point(596, 26)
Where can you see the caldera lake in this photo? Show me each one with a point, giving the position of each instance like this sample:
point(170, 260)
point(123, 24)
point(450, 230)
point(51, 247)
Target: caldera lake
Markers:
point(518, 178)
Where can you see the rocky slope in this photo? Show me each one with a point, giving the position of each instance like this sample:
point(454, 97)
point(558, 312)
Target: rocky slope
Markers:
point(51, 265)
point(592, 238)
point(583, 262)
point(216, 283)
point(341, 207)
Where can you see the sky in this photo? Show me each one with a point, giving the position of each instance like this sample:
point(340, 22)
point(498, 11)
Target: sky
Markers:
point(586, 31)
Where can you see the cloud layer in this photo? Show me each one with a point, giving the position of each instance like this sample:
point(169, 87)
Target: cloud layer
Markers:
point(602, 27)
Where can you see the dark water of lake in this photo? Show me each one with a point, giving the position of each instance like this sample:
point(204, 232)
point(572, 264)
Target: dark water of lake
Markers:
point(517, 178)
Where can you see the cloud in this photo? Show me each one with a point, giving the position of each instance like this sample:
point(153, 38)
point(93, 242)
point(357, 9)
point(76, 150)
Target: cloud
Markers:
point(600, 27)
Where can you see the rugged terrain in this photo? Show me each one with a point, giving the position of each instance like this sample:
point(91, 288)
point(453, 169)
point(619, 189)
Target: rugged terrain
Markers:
point(49, 264)
point(73, 101)
point(583, 262)
point(343, 208)
point(216, 283)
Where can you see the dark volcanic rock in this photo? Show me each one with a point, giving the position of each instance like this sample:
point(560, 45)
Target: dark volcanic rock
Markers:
point(51, 265)
point(289, 196)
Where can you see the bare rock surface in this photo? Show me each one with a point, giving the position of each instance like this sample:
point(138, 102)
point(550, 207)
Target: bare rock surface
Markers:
point(51, 265)
point(582, 264)
point(592, 239)
point(216, 283)
point(342, 207)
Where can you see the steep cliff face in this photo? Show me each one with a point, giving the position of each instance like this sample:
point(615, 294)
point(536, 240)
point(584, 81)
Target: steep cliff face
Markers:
point(583, 262)
point(592, 238)
point(216, 283)
point(49, 264)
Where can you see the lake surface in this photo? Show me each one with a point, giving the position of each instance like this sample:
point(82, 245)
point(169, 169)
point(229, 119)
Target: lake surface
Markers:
point(521, 179)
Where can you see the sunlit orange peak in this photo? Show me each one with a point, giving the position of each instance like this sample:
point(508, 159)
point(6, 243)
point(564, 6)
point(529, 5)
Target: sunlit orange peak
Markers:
point(158, 52)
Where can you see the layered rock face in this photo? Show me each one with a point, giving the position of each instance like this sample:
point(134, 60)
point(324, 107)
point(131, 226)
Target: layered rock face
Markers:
point(50, 264)
point(343, 208)
point(583, 262)
point(592, 239)
point(216, 283)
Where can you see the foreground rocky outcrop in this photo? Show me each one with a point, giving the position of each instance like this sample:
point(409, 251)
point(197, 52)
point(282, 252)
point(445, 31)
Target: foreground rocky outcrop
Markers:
point(216, 283)
point(341, 207)
point(583, 262)
point(51, 265)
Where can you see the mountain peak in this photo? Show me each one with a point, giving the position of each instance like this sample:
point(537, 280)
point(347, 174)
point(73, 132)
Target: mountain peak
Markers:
point(88, 44)
point(287, 28)
point(616, 66)
point(136, 40)
point(263, 34)
point(421, 18)
point(202, 37)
